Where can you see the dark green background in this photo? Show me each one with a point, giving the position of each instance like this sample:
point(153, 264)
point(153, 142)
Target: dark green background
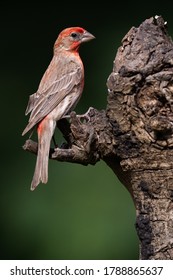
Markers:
point(83, 212)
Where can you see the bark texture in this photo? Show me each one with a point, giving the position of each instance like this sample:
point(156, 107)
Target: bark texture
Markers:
point(134, 134)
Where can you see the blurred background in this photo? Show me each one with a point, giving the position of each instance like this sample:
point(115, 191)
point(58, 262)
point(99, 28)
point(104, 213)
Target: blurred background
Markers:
point(83, 212)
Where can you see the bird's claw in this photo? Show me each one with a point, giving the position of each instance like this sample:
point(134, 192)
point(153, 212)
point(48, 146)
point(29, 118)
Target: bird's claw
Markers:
point(84, 117)
point(87, 116)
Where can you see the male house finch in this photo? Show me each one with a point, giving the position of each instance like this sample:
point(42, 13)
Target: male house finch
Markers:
point(58, 93)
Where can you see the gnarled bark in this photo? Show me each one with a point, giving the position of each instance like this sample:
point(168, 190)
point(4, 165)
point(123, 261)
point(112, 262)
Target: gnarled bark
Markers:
point(134, 134)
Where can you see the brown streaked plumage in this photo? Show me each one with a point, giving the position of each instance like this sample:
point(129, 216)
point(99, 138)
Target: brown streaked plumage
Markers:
point(58, 93)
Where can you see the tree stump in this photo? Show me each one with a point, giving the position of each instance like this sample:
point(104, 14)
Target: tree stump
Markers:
point(134, 134)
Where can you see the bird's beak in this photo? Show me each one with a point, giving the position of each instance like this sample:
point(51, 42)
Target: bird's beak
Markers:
point(87, 37)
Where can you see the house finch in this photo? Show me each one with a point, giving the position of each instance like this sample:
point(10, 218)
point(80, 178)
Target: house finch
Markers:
point(58, 93)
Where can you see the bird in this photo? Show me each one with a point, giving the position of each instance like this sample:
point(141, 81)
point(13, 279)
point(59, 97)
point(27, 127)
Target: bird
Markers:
point(58, 93)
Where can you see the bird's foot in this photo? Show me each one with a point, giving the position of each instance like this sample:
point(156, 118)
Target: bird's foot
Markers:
point(84, 117)
point(87, 116)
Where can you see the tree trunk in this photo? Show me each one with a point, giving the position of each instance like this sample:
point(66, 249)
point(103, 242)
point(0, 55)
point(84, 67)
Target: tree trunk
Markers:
point(134, 134)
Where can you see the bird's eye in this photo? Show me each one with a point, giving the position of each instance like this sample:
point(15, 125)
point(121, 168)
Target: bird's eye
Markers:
point(74, 35)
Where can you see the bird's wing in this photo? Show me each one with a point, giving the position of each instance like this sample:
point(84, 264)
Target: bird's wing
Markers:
point(59, 89)
point(42, 104)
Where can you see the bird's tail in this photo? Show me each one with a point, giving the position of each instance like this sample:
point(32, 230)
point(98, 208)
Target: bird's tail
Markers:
point(45, 132)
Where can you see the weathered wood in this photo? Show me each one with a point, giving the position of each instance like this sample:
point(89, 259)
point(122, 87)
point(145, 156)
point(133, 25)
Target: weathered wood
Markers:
point(140, 101)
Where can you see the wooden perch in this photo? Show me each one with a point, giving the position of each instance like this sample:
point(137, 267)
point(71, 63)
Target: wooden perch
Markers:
point(134, 135)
